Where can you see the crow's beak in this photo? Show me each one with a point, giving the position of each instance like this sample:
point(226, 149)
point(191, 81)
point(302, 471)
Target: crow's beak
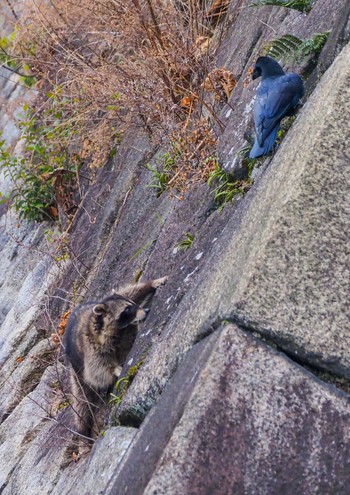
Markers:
point(256, 73)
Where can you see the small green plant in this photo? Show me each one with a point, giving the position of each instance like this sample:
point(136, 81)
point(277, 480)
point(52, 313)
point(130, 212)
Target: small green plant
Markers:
point(164, 171)
point(143, 248)
point(123, 384)
point(286, 124)
point(304, 6)
point(290, 46)
point(186, 243)
point(160, 178)
point(33, 193)
point(228, 187)
point(248, 163)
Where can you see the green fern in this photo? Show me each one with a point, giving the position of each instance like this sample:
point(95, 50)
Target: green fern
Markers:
point(284, 46)
point(313, 45)
point(290, 46)
point(300, 5)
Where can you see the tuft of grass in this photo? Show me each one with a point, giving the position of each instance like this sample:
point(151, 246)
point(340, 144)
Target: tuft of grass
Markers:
point(143, 248)
point(290, 46)
point(160, 179)
point(189, 161)
point(248, 163)
point(227, 187)
point(304, 6)
point(163, 172)
point(186, 243)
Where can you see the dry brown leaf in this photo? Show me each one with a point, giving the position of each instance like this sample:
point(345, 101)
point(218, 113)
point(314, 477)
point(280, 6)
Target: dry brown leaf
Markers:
point(185, 102)
point(63, 323)
point(202, 43)
point(248, 78)
point(221, 82)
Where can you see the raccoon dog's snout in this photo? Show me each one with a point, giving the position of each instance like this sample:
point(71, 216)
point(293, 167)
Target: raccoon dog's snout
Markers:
point(141, 314)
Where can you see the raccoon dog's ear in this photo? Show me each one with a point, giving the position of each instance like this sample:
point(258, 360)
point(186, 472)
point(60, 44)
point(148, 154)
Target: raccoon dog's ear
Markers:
point(99, 309)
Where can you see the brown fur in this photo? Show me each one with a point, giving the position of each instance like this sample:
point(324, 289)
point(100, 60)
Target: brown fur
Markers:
point(98, 338)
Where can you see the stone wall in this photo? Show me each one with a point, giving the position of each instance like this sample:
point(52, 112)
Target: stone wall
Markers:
point(245, 381)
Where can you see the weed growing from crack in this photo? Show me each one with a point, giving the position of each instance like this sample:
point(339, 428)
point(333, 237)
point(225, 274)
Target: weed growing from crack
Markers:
point(186, 243)
point(123, 384)
point(227, 187)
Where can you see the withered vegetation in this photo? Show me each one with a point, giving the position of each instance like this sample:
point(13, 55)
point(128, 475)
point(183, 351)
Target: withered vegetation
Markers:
point(104, 66)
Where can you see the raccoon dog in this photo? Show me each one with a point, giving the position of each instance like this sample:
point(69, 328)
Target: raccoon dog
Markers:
point(97, 340)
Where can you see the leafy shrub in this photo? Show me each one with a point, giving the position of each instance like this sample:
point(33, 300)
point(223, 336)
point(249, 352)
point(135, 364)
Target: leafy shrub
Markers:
point(11, 62)
point(37, 174)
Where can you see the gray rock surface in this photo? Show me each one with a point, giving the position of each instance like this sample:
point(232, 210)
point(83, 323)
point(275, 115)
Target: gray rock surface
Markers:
point(252, 422)
point(19, 432)
point(25, 374)
point(280, 266)
point(91, 475)
point(157, 429)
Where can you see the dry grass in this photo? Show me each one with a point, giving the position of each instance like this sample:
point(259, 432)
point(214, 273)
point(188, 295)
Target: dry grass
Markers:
point(122, 62)
point(105, 66)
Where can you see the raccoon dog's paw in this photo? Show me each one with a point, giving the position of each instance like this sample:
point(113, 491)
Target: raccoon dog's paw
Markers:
point(117, 370)
point(159, 282)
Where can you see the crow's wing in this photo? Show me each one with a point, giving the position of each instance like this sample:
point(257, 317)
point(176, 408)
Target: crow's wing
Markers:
point(275, 97)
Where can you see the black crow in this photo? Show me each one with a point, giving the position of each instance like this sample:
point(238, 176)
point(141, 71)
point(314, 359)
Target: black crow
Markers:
point(276, 97)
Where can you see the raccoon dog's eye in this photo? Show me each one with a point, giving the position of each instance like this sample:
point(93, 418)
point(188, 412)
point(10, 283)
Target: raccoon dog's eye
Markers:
point(127, 314)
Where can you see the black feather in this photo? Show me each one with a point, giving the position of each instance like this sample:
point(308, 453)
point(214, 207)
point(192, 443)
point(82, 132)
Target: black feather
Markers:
point(276, 97)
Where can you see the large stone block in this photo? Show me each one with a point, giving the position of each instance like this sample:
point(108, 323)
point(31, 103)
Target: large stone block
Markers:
point(280, 266)
point(91, 474)
point(18, 431)
point(239, 417)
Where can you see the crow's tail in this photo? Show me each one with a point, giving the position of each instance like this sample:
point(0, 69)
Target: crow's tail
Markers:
point(267, 145)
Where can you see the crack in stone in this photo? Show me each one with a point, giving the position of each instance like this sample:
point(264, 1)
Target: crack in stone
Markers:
point(285, 347)
point(281, 345)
